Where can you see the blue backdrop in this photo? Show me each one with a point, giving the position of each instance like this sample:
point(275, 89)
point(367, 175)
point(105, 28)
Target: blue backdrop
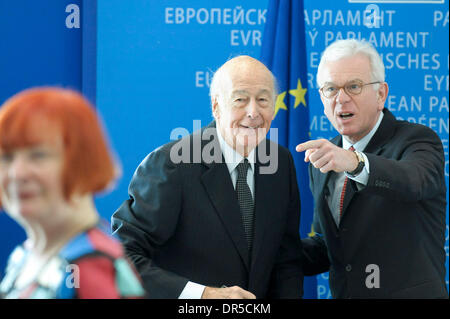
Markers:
point(147, 65)
point(36, 48)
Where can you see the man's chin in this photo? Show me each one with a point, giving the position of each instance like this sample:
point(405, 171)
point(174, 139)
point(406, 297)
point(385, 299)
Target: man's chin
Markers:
point(246, 144)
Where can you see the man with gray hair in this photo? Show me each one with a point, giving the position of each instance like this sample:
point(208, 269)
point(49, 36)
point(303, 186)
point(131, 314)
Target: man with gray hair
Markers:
point(204, 219)
point(378, 187)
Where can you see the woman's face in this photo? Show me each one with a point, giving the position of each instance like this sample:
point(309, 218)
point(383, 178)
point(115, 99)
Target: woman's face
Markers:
point(31, 180)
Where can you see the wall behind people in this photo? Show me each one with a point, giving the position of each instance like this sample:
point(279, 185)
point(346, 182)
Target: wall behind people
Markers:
point(40, 44)
point(148, 65)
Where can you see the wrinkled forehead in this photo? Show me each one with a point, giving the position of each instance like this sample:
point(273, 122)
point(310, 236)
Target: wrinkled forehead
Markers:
point(346, 69)
point(248, 76)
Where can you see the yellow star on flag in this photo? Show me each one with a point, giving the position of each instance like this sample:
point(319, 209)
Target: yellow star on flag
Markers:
point(312, 233)
point(299, 94)
point(279, 104)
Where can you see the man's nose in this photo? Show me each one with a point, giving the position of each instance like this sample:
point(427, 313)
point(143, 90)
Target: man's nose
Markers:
point(342, 96)
point(253, 109)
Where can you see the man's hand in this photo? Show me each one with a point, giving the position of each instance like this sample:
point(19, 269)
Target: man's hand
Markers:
point(326, 156)
point(234, 292)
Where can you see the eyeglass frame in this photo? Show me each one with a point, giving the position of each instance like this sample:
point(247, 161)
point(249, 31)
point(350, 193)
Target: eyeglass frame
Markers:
point(345, 90)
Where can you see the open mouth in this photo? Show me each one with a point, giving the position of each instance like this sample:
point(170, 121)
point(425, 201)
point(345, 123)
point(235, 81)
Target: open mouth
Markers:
point(345, 116)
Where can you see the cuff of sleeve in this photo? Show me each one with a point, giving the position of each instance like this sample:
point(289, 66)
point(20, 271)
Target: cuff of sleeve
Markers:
point(363, 177)
point(192, 291)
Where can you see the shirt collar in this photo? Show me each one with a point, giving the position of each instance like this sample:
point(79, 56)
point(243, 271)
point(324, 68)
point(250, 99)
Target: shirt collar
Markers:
point(233, 158)
point(362, 143)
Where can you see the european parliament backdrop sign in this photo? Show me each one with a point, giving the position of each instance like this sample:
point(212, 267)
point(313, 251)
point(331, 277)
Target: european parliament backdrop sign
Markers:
point(152, 62)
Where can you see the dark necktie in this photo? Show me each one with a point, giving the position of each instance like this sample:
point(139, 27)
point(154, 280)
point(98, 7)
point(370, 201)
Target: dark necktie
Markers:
point(344, 188)
point(245, 200)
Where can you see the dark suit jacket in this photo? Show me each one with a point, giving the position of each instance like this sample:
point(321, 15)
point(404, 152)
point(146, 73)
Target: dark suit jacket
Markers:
point(396, 222)
point(182, 223)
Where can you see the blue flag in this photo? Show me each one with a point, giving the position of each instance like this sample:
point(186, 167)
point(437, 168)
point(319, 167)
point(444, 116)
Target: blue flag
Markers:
point(284, 53)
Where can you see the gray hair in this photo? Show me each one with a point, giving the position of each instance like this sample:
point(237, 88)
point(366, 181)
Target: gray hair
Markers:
point(215, 88)
point(220, 77)
point(346, 48)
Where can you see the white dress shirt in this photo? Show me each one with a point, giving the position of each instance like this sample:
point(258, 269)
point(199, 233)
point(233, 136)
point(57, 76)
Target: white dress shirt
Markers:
point(232, 158)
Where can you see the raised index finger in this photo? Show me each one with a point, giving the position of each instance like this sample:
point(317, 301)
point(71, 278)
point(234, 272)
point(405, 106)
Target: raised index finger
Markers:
point(308, 145)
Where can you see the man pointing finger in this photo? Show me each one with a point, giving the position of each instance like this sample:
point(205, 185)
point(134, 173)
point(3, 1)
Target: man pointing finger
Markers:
point(379, 187)
point(326, 156)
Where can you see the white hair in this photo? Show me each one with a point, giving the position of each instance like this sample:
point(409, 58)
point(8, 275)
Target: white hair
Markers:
point(217, 82)
point(220, 77)
point(347, 48)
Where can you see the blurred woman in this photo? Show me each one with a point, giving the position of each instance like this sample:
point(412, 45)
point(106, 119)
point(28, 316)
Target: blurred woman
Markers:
point(53, 158)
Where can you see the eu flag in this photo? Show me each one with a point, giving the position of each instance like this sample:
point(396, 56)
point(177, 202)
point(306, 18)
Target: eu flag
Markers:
point(284, 53)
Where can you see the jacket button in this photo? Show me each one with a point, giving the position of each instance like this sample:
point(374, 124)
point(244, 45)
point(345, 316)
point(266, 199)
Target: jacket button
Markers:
point(348, 267)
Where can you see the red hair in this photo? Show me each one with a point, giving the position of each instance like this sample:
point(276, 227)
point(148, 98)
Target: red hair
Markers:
point(33, 115)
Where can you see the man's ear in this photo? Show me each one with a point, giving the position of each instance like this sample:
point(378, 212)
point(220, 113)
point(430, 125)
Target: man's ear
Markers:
point(382, 94)
point(215, 107)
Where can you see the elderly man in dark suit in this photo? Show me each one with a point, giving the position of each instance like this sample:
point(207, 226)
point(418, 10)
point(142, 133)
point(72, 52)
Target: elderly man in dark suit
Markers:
point(379, 187)
point(216, 214)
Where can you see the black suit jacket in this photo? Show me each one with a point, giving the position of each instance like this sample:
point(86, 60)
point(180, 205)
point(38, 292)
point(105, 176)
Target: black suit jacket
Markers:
point(396, 222)
point(182, 223)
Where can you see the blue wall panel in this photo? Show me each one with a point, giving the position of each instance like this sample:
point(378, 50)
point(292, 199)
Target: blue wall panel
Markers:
point(36, 48)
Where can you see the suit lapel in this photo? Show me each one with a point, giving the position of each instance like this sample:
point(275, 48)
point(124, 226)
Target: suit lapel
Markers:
point(323, 192)
point(375, 145)
point(349, 193)
point(263, 187)
point(218, 186)
point(383, 134)
point(351, 186)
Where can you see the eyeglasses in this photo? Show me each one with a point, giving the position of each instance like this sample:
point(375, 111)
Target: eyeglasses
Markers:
point(351, 88)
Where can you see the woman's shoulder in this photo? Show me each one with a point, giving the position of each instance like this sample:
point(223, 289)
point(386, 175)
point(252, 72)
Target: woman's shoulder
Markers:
point(94, 241)
point(101, 268)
